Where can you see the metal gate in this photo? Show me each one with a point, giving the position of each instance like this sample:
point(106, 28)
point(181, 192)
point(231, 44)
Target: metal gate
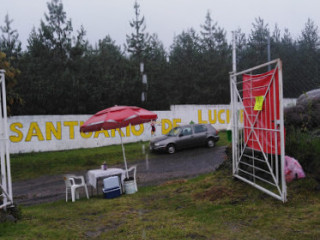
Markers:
point(5, 179)
point(258, 128)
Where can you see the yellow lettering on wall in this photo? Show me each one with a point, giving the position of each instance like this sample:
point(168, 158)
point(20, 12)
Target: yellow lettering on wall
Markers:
point(166, 126)
point(176, 121)
point(120, 132)
point(113, 132)
point(50, 129)
point(139, 132)
point(34, 131)
point(241, 116)
point(200, 117)
point(219, 116)
point(85, 135)
point(214, 120)
point(13, 128)
point(228, 115)
point(128, 131)
point(71, 125)
point(97, 133)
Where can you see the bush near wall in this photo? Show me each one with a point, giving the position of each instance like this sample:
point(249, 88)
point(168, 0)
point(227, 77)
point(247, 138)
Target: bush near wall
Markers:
point(306, 114)
point(305, 147)
point(302, 124)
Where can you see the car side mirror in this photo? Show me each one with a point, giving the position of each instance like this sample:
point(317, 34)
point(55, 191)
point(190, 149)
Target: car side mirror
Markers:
point(181, 134)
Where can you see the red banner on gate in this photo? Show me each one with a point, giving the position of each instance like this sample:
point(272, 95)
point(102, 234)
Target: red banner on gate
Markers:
point(261, 111)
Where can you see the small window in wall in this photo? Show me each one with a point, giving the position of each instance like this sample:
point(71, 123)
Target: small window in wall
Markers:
point(199, 128)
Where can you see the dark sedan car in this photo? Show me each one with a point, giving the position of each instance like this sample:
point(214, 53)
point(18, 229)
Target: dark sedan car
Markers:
point(186, 136)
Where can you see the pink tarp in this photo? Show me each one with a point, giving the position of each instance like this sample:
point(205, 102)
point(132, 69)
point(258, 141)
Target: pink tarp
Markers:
point(293, 169)
point(261, 106)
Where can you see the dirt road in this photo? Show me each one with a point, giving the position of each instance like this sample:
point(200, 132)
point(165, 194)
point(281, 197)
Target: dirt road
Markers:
point(183, 164)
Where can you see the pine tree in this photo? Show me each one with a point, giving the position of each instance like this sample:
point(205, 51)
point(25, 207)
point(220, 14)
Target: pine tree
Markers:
point(9, 43)
point(10, 54)
point(258, 42)
point(185, 58)
point(158, 79)
point(137, 45)
point(50, 79)
point(138, 41)
point(11, 74)
point(208, 33)
point(309, 55)
point(56, 29)
point(215, 64)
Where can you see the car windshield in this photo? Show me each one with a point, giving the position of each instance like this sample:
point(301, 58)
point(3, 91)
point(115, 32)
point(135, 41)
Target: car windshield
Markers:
point(174, 132)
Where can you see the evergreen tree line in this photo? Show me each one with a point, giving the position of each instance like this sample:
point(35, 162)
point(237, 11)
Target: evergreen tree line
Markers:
point(60, 72)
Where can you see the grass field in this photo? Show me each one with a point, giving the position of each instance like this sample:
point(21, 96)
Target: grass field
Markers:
point(32, 165)
point(212, 206)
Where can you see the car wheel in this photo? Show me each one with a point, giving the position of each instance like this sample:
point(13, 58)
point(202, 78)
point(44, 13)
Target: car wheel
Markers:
point(171, 148)
point(210, 143)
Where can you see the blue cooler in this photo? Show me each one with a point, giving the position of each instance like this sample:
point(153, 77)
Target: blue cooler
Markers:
point(111, 187)
point(111, 193)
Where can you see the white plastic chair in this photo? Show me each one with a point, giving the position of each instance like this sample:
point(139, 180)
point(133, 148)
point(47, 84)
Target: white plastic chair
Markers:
point(72, 184)
point(132, 171)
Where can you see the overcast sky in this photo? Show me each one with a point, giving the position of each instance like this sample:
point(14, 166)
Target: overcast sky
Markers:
point(164, 17)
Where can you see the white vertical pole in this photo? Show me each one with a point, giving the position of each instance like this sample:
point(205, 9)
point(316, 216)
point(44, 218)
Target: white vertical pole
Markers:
point(283, 180)
point(233, 81)
point(232, 124)
point(269, 51)
point(9, 180)
point(124, 155)
point(4, 141)
point(234, 59)
point(276, 123)
point(3, 182)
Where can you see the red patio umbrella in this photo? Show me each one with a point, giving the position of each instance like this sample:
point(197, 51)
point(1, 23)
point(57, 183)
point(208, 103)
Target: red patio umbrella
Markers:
point(118, 117)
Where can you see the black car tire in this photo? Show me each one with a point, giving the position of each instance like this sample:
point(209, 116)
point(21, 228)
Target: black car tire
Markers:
point(171, 148)
point(210, 143)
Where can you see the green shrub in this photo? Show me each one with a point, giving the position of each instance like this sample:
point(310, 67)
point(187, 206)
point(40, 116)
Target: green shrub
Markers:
point(12, 214)
point(305, 147)
point(227, 163)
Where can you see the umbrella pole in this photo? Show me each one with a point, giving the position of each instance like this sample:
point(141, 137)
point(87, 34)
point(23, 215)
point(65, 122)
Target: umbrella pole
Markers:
point(124, 156)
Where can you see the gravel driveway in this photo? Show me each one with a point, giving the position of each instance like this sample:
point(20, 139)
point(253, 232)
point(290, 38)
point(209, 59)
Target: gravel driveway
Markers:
point(183, 164)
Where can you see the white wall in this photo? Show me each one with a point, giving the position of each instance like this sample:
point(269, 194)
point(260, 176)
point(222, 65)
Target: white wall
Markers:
point(61, 132)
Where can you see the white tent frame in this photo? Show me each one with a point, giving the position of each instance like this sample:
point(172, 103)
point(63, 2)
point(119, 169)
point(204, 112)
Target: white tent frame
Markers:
point(5, 179)
point(274, 163)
